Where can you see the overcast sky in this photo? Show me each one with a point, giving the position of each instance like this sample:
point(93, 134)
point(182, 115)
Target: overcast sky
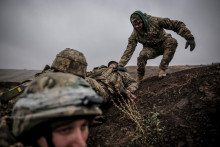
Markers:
point(32, 32)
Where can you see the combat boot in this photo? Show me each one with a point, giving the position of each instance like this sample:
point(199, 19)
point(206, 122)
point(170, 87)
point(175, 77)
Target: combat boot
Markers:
point(161, 74)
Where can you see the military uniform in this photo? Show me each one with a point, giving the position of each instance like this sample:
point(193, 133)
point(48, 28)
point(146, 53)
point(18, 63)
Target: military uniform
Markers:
point(47, 100)
point(67, 61)
point(111, 82)
point(155, 41)
point(9, 97)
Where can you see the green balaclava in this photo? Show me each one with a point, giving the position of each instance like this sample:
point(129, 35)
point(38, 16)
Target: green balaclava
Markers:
point(138, 16)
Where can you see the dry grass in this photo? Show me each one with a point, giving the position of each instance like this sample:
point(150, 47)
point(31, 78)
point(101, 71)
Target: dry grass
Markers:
point(128, 107)
point(148, 130)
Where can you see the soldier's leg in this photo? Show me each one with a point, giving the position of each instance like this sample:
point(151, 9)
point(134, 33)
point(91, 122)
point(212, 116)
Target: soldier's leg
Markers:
point(145, 54)
point(98, 89)
point(169, 46)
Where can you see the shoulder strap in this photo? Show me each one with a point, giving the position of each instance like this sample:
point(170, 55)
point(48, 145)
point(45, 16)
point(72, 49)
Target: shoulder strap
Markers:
point(12, 93)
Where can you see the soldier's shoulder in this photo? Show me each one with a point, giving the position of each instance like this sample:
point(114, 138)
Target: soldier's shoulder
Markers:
point(100, 67)
point(47, 69)
point(152, 18)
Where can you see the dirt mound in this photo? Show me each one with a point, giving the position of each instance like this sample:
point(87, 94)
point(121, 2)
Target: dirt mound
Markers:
point(151, 71)
point(180, 110)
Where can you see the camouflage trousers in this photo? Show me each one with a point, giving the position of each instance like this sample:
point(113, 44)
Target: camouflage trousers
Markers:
point(167, 48)
point(99, 89)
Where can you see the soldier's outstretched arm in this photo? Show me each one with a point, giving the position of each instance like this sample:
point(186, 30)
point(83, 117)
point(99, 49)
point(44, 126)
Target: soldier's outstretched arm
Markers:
point(180, 28)
point(129, 82)
point(132, 43)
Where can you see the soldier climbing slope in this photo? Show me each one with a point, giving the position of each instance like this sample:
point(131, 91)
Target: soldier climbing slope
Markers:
point(111, 82)
point(150, 31)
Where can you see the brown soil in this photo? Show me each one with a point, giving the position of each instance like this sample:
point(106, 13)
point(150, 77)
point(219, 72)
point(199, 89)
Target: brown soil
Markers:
point(181, 109)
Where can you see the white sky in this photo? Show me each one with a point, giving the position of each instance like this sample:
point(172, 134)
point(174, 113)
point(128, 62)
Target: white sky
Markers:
point(32, 32)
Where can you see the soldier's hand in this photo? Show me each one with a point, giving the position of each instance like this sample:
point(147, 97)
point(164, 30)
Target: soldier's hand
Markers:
point(190, 42)
point(131, 95)
point(132, 89)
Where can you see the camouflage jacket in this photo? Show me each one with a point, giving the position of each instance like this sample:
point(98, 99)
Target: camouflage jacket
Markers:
point(8, 98)
point(154, 36)
point(116, 81)
point(6, 137)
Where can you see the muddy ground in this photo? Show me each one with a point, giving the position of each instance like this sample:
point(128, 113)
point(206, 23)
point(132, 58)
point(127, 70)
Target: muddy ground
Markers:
point(181, 110)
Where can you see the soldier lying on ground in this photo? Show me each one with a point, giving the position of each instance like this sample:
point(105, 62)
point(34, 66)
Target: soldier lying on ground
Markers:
point(67, 61)
point(55, 110)
point(150, 31)
point(109, 82)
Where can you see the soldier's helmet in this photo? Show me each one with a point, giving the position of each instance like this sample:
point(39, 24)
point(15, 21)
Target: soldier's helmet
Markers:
point(112, 62)
point(70, 61)
point(52, 97)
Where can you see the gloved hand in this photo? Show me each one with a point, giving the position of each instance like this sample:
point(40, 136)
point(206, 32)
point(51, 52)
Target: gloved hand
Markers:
point(190, 42)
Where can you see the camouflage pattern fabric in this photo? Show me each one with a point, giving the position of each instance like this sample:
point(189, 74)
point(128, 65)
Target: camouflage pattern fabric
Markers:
point(67, 61)
point(155, 42)
point(6, 138)
point(167, 49)
point(9, 98)
point(6, 108)
point(70, 61)
point(99, 83)
point(115, 81)
point(99, 88)
point(53, 80)
point(13, 95)
point(52, 96)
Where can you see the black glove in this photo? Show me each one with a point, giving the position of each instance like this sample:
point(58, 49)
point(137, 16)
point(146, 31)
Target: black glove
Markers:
point(190, 42)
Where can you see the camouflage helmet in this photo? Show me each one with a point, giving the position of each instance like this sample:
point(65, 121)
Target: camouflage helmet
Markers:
point(112, 62)
point(54, 96)
point(70, 61)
